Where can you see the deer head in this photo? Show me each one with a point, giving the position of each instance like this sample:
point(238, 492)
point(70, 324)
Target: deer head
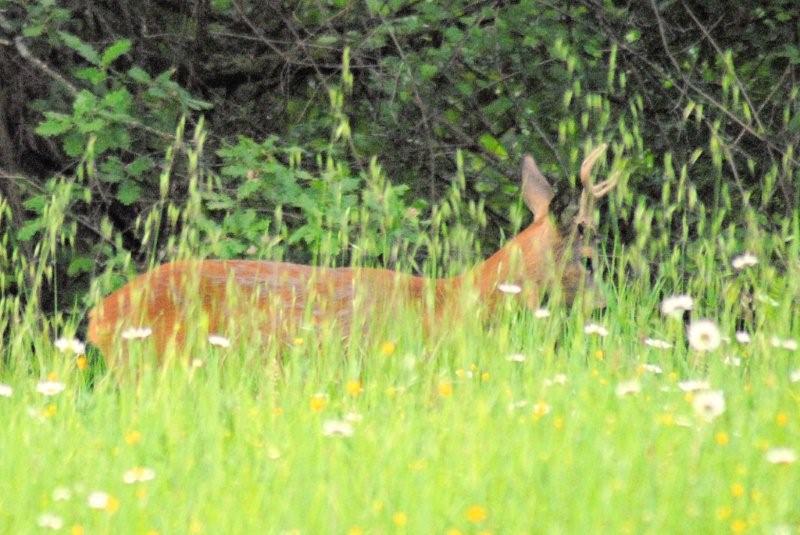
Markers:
point(543, 254)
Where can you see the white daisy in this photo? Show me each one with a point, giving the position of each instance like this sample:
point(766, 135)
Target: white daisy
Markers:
point(219, 341)
point(558, 379)
point(6, 391)
point(353, 417)
point(652, 368)
point(540, 408)
point(138, 474)
point(704, 335)
point(516, 405)
point(744, 261)
point(743, 337)
point(694, 385)
point(595, 328)
point(731, 360)
point(50, 521)
point(781, 456)
point(516, 357)
point(656, 343)
point(628, 388)
point(61, 494)
point(509, 288)
point(70, 345)
point(136, 333)
point(50, 388)
point(709, 404)
point(98, 499)
point(789, 343)
point(337, 428)
point(676, 305)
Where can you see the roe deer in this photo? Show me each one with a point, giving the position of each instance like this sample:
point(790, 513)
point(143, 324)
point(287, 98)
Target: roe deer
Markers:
point(283, 294)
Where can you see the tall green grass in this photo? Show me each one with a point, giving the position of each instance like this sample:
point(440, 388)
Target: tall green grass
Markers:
point(516, 425)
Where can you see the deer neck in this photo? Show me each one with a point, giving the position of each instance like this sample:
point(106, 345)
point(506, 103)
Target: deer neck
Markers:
point(524, 261)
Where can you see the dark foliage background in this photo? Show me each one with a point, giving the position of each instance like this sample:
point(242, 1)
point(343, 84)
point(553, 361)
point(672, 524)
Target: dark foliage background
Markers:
point(698, 99)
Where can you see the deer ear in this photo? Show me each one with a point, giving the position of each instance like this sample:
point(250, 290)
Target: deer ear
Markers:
point(536, 191)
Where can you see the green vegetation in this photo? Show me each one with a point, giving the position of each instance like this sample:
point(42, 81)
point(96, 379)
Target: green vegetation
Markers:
point(390, 134)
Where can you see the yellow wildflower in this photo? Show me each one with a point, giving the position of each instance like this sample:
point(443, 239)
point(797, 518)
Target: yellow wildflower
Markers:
point(388, 348)
point(354, 387)
point(476, 514)
point(445, 389)
point(400, 519)
point(318, 402)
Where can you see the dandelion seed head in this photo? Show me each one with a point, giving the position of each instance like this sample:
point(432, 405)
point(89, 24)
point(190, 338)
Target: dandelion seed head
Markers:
point(704, 335)
point(709, 404)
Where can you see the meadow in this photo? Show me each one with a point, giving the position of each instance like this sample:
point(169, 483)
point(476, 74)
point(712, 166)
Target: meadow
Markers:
point(549, 421)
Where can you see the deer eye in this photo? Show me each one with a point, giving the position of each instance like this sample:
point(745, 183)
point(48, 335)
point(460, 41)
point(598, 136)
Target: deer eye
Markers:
point(588, 264)
point(581, 230)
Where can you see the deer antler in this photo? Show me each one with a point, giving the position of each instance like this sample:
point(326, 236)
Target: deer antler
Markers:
point(592, 191)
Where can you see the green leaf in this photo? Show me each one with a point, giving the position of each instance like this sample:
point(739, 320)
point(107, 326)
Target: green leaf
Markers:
point(129, 192)
point(119, 101)
point(35, 203)
point(492, 145)
point(74, 144)
point(633, 36)
point(428, 71)
point(30, 229)
point(140, 165)
point(55, 124)
point(114, 51)
point(80, 264)
point(85, 103)
point(248, 188)
point(112, 170)
point(33, 31)
point(139, 75)
point(91, 74)
point(84, 49)
point(91, 126)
